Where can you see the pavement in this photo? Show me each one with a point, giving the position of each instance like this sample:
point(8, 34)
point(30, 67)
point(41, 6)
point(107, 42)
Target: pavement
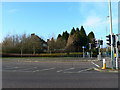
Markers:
point(55, 73)
point(106, 70)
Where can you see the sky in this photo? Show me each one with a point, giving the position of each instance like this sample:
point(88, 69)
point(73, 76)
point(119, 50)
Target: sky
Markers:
point(48, 19)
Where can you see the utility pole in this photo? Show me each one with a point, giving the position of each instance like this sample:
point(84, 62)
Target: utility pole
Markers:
point(112, 52)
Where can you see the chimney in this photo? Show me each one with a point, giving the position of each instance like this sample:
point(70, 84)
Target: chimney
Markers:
point(32, 34)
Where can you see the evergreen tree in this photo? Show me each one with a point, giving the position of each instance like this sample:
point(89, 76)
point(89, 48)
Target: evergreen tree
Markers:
point(72, 31)
point(80, 39)
point(65, 35)
point(59, 36)
point(82, 31)
point(91, 38)
point(91, 35)
point(77, 30)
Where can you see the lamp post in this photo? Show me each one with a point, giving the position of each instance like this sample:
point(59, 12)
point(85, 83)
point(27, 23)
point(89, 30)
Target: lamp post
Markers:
point(112, 52)
point(106, 35)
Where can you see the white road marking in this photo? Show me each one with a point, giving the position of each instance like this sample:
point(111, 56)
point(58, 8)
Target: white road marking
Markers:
point(27, 69)
point(80, 71)
point(85, 70)
point(59, 71)
point(15, 67)
point(69, 69)
point(10, 67)
point(95, 64)
point(15, 71)
point(19, 69)
point(44, 69)
point(70, 72)
point(65, 69)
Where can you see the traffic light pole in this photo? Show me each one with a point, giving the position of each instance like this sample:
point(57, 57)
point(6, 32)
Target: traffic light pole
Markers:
point(112, 52)
point(106, 35)
point(91, 53)
point(116, 36)
point(83, 53)
point(90, 48)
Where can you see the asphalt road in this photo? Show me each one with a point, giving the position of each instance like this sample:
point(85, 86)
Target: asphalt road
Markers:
point(54, 73)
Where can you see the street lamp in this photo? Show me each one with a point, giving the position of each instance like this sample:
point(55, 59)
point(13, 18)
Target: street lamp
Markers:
point(112, 49)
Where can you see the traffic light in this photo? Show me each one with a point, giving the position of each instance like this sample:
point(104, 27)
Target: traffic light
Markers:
point(108, 40)
point(118, 43)
point(97, 44)
point(113, 36)
point(101, 42)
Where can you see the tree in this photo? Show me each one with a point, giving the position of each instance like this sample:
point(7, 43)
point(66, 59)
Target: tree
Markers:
point(91, 38)
point(78, 39)
point(22, 44)
point(65, 35)
point(91, 35)
point(77, 30)
point(52, 45)
point(82, 32)
point(72, 31)
point(60, 44)
point(10, 44)
point(59, 36)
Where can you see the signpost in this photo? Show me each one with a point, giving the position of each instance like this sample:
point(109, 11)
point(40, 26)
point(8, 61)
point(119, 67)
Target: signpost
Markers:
point(83, 51)
point(90, 48)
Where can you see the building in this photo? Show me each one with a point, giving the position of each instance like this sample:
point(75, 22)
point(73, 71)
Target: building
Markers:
point(39, 44)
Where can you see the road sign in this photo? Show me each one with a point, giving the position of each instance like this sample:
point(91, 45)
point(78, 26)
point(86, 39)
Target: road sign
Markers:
point(83, 47)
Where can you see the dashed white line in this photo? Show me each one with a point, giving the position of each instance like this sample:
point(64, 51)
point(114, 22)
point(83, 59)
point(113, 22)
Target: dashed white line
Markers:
point(65, 69)
point(27, 68)
point(80, 71)
point(59, 71)
point(95, 64)
point(44, 69)
point(85, 70)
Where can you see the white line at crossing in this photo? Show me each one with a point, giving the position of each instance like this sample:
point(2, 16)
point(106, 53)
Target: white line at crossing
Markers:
point(66, 69)
point(95, 64)
point(80, 71)
point(44, 69)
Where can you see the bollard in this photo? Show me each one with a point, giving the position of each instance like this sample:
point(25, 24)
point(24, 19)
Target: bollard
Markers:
point(115, 55)
point(104, 64)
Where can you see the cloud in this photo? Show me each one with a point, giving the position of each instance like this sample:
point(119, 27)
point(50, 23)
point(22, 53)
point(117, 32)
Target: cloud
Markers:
point(12, 10)
point(115, 21)
point(92, 21)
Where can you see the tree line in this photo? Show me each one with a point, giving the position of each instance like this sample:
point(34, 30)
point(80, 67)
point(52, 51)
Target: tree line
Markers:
point(65, 42)
point(72, 42)
point(25, 44)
